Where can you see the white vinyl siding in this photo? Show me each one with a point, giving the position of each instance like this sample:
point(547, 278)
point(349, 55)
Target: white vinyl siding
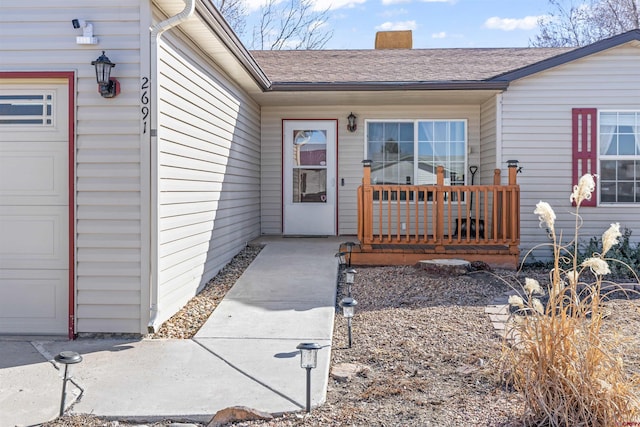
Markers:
point(351, 149)
point(37, 38)
point(209, 172)
point(536, 130)
point(488, 143)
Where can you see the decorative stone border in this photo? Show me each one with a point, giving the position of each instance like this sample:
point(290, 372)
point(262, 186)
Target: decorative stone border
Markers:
point(498, 310)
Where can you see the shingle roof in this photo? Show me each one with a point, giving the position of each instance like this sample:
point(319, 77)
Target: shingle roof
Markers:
point(397, 65)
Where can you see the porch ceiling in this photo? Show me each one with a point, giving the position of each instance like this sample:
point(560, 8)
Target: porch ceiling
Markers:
point(397, 97)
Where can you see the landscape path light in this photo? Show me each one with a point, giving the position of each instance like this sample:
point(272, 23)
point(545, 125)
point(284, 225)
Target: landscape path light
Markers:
point(308, 361)
point(342, 262)
point(67, 358)
point(349, 246)
point(350, 277)
point(348, 310)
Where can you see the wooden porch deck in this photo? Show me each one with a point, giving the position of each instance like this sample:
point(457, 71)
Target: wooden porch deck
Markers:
point(403, 224)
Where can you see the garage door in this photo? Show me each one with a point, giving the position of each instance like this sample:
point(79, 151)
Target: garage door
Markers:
point(34, 230)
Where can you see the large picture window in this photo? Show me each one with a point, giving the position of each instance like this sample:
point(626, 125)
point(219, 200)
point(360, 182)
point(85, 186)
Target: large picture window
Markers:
point(619, 158)
point(408, 152)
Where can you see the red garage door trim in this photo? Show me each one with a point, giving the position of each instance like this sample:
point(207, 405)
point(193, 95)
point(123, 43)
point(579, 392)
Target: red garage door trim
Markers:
point(70, 77)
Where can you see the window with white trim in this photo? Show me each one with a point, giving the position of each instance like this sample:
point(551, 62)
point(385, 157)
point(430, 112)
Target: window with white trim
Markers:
point(619, 156)
point(409, 151)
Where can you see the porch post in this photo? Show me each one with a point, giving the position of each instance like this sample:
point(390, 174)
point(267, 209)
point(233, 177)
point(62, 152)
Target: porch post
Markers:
point(439, 200)
point(513, 207)
point(496, 177)
point(367, 207)
point(496, 230)
point(513, 172)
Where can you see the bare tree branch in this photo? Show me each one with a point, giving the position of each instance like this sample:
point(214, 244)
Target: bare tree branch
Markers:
point(291, 25)
point(586, 22)
point(234, 12)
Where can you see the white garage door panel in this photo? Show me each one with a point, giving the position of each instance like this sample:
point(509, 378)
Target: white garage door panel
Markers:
point(33, 302)
point(34, 206)
point(33, 237)
point(35, 176)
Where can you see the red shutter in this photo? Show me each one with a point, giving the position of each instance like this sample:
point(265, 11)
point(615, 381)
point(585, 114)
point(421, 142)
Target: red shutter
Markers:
point(585, 154)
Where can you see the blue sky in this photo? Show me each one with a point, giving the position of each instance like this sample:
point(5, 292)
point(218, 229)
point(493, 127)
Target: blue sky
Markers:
point(435, 23)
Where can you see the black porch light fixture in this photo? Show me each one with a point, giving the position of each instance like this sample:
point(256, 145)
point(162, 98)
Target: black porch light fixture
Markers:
point(348, 310)
point(108, 87)
point(308, 361)
point(351, 123)
point(67, 358)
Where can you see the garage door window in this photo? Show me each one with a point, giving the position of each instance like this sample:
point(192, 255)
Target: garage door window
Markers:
point(26, 109)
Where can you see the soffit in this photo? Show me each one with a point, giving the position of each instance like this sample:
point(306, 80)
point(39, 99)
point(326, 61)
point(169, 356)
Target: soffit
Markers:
point(399, 97)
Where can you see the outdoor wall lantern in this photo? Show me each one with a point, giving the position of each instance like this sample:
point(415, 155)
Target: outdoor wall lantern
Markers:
point(308, 361)
point(350, 276)
point(67, 358)
point(108, 87)
point(352, 125)
point(348, 310)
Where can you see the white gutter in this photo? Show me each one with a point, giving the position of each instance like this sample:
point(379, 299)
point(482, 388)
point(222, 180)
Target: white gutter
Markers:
point(156, 32)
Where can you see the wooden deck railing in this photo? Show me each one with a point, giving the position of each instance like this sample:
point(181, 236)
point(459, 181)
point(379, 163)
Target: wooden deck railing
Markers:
point(439, 215)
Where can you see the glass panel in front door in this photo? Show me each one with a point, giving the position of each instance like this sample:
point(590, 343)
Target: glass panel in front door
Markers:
point(309, 166)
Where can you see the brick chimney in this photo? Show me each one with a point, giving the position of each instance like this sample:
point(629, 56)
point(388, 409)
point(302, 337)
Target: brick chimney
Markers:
point(394, 39)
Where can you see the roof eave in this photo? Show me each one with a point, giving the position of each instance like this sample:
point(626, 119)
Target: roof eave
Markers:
point(386, 86)
point(210, 14)
point(563, 58)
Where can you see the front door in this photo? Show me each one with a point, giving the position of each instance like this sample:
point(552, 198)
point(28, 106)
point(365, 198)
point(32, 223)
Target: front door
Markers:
point(309, 149)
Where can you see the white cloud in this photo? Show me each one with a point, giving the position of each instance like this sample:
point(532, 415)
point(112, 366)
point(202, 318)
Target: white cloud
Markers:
point(510, 24)
point(319, 5)
point(397, 26)
point(388, 2)
point(394, 12)
point(440, 35)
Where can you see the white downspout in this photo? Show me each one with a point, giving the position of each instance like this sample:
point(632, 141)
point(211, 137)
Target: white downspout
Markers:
point(156, 32)
point(499, 133)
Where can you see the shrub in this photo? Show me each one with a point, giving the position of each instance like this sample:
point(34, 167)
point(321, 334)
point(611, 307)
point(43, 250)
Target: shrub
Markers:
point(568, 374)
point(624, 258)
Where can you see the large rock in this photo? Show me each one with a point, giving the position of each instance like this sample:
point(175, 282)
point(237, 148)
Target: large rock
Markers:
point(343, 372)
point(450, 267)
point(236, 414)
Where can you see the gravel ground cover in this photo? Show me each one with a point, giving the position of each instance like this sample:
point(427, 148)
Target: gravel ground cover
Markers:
point(428, 353)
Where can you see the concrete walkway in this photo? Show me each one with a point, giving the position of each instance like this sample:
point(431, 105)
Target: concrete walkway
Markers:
point(245, 354)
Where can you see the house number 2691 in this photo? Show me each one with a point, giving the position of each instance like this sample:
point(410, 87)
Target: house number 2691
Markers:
point(144, 98)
